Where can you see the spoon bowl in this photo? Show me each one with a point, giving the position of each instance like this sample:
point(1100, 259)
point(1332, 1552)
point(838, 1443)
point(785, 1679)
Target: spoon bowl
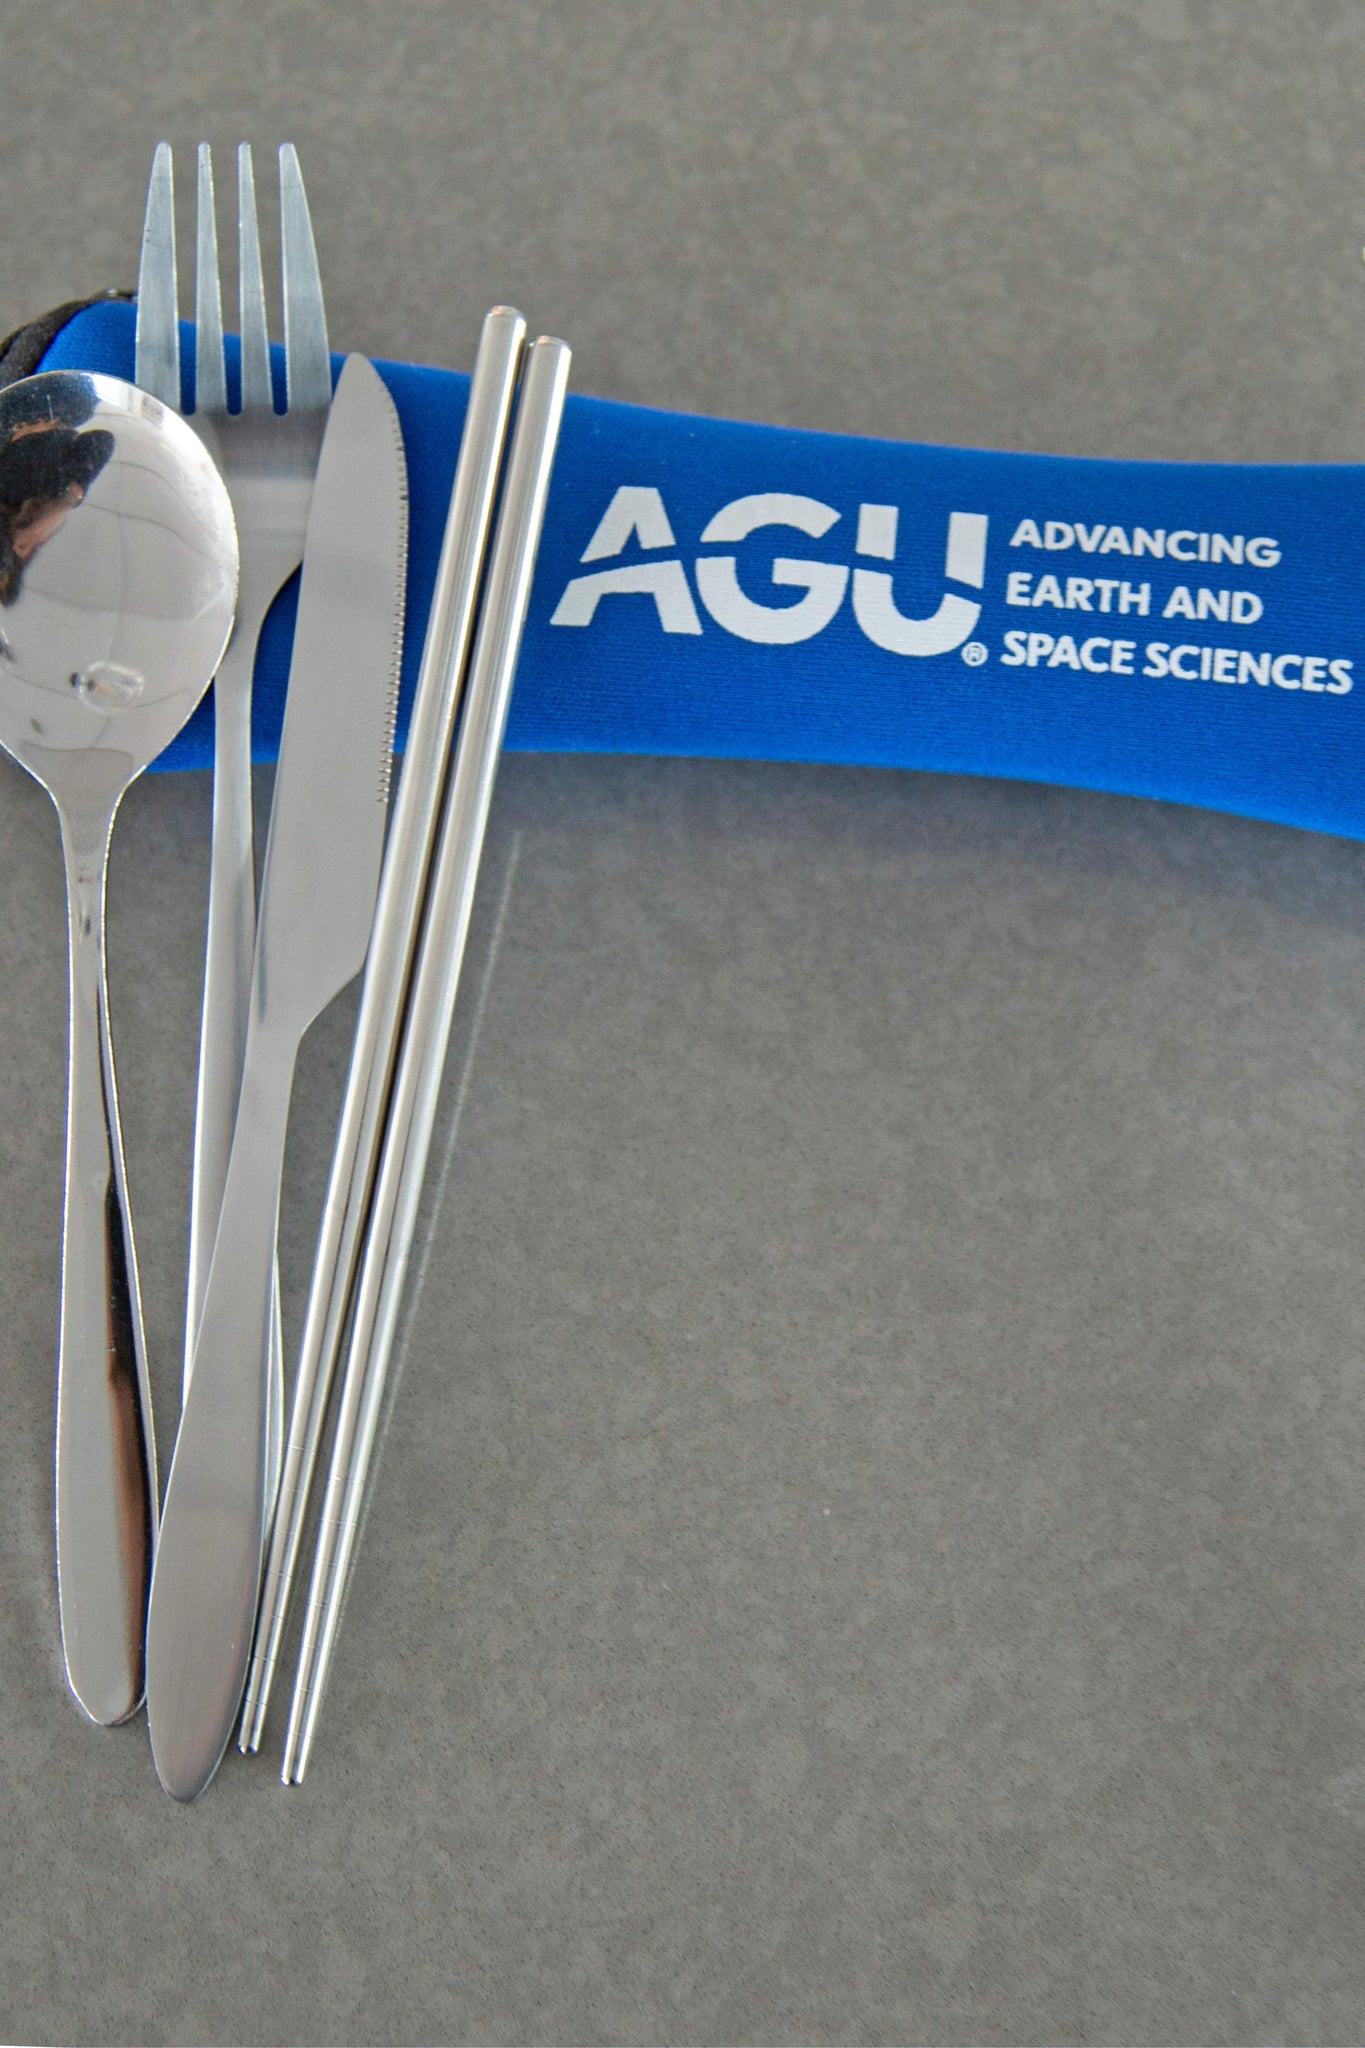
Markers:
point(124, 577)
point(118, 582)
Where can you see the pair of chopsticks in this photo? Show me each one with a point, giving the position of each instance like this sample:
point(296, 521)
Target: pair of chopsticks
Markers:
point(426, 893)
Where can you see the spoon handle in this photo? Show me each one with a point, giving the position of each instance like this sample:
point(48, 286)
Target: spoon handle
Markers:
point(106, 1457)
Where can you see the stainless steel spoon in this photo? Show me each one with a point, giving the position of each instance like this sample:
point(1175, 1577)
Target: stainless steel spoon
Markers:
point(118, 579)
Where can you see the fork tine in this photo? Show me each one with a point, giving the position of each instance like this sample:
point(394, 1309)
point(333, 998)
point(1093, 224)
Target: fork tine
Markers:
point(307, 364)
point(158, 315)
point(257, 391)
point(210, 377)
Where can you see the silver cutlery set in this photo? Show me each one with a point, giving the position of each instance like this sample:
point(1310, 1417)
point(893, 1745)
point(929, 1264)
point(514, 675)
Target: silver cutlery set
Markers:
point(139, 566)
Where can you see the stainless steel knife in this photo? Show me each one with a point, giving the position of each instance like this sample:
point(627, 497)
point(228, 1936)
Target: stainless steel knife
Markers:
point(318, 892)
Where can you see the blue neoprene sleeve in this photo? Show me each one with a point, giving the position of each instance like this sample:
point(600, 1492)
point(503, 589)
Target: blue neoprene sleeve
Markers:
point(1188, 631)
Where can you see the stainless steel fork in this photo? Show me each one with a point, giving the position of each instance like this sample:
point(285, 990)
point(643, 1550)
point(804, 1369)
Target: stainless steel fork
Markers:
point(268, 460)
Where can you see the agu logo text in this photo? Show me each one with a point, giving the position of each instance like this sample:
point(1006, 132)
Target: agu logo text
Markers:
point(637, 511)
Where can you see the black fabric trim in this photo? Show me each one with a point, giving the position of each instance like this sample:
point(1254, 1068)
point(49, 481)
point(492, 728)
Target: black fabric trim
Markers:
point(22, 351)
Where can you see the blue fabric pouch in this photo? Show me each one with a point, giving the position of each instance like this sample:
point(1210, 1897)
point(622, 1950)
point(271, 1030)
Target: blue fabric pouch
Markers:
point(1179, 630)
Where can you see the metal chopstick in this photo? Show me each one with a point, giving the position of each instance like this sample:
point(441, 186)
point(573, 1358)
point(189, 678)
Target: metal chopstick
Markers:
point(402, 893)
point(412, 1106)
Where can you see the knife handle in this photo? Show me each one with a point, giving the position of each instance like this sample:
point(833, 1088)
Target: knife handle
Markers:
point(106, 1475)
point(206, 1580)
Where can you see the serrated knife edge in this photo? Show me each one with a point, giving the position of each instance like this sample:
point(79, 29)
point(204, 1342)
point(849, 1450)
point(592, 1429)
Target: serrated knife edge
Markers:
point(325, 845)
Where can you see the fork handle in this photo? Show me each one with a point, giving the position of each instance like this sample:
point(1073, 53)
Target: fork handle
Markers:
point(230, 940)
point(106, 1479)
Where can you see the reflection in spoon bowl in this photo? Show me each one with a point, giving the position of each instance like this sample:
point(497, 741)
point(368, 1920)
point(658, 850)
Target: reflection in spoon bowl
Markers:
point(118, 580)
point(109, 683)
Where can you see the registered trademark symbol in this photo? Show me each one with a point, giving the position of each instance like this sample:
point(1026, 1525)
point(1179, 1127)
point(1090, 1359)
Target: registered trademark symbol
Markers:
point(974, 654)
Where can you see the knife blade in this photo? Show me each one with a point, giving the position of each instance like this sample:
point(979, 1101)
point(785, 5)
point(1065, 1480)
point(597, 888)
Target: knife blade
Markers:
point(318, 889)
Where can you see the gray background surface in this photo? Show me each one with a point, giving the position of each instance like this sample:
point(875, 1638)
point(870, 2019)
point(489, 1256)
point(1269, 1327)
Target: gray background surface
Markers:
point(869, 1545)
